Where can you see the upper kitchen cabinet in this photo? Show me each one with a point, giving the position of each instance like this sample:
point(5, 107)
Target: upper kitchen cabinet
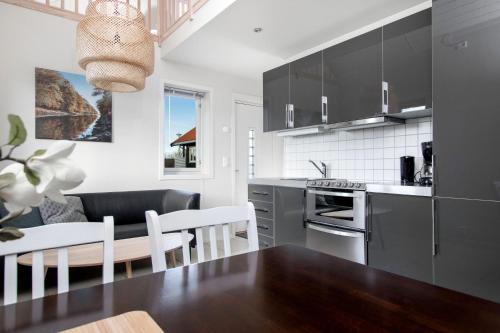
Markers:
point(306, 90)
point(352, 78)
point(276, 98)
point(407, 55)
point(466, 70)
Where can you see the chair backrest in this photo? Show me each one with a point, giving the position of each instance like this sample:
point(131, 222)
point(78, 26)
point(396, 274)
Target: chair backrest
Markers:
point(198, 219)
point(55, 236)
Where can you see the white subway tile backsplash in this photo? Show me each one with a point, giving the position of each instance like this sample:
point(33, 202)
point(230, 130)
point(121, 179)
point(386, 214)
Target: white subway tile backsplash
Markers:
point(411, 129)
point(370, 155)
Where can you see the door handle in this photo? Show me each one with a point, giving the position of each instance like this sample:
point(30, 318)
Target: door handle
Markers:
point(261, 210)
point(334, 194)
point(264, 227)
point(324, 109)
point(435, 241)
point(292, 115)
point(259, 193)
point(335, 231)
point(385, 97)
point(287, 116)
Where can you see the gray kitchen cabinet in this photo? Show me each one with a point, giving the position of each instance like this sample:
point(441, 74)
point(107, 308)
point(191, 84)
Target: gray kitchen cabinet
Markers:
point(306, 90)
point(400, 235)
point(407, 58)
point(466, 86)
point(289, 216)
point(352, 78)
point(280, 214)
point(468, 247)
point(276, 92)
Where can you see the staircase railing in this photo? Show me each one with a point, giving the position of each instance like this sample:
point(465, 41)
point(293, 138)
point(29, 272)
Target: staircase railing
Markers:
point(163, 17)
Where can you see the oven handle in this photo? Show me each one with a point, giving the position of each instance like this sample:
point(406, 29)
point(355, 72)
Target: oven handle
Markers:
point(335, 231)
point(334, 194)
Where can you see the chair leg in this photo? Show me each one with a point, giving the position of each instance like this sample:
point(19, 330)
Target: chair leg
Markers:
point(128, 268)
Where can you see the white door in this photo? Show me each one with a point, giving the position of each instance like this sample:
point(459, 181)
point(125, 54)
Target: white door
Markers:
point(248, 128)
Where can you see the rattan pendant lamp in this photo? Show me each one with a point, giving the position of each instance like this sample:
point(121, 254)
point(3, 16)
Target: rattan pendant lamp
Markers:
point(114, 47)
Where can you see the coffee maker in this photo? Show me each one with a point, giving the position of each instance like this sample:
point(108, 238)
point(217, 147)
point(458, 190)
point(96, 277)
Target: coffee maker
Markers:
point(426, 173)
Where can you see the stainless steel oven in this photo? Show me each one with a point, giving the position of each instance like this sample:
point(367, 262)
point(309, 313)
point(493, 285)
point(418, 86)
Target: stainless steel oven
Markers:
point(335, 218)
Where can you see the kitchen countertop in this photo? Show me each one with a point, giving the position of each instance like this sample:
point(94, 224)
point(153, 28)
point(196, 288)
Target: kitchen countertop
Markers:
point(386, 188)
point(285, 182)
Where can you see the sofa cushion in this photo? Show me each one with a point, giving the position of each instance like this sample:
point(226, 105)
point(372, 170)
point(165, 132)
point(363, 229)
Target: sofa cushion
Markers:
point(32, 219)
point(130, 207)
point(130, 230)
point(55, 212)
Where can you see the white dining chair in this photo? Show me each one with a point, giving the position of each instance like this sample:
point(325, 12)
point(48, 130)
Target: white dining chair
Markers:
point(55, 236)
point(184, 220)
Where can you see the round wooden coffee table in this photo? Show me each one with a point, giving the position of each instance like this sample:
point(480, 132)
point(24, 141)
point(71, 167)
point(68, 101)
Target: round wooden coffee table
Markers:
point(125, 251)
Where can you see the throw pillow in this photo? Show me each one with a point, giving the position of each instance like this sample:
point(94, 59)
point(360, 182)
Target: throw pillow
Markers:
point(55, 212)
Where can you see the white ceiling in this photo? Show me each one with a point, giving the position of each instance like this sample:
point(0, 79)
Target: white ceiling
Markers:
point(290, 27)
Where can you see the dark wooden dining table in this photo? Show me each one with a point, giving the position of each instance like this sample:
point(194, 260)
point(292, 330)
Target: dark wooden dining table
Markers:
point(281, 289)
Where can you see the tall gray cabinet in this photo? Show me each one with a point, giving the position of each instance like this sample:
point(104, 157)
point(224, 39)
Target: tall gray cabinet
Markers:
point(466, 90)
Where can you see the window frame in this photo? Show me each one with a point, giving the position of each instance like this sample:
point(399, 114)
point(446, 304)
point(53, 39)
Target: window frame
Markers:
point(204, 137)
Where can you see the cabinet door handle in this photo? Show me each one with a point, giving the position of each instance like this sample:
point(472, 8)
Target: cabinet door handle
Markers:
point(259, 193)
point(264, 227)
point(435, 235)
point(434, 175)
point(369, 221)
point(262, 210)
point(385, 97)
point(287, 115)
point(292, 116)
point(324, 109)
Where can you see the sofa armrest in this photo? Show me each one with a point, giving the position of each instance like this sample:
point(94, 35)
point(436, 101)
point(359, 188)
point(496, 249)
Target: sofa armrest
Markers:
point(175, 200)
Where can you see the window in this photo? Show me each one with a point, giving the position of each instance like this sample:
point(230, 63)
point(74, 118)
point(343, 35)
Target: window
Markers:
point(184, 123)
point(251, 153)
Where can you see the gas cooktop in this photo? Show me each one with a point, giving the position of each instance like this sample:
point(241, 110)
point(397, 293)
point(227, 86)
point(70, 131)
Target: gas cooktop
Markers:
point(336, 183)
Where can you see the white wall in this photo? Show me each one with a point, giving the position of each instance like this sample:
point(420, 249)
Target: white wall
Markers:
point(31, 39)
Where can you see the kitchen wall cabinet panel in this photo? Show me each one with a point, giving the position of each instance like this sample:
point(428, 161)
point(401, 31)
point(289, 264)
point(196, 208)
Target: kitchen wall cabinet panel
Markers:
point(466, 99)
point(276, 92)
point(400, 235)
point(352, 78)
point(306, 90)
point(467, 235)
point(407, 57)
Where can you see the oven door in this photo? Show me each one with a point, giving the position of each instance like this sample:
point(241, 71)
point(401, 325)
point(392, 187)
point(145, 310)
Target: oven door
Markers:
point(345, 244)
point(337, 207)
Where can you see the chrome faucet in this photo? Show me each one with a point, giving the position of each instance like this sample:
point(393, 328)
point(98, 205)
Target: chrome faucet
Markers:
point(322, 169)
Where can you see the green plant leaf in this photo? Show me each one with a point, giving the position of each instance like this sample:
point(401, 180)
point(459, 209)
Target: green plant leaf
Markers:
point(6, 179)
point(31, 176)
point(39, 152)
point(17, 133)
point(10, 233)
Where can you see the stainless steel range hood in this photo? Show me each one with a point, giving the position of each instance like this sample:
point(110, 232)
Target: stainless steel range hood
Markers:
point(377, 121)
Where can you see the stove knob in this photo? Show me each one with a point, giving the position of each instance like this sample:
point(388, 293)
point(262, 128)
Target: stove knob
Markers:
point(326, 183)
point(344, 185)
point(351, 184)
point(358, 185)
point(312, 183)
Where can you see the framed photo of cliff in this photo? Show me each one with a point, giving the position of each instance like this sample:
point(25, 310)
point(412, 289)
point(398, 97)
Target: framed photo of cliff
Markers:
point(68, 108)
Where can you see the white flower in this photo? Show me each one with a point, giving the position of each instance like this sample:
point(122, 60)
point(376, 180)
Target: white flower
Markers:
point(55, 171)
point(20, 195)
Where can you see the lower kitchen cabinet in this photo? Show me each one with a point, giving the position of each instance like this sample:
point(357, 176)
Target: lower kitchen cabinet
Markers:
point(289, 216)
point(468, 246)
point(400, 235)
